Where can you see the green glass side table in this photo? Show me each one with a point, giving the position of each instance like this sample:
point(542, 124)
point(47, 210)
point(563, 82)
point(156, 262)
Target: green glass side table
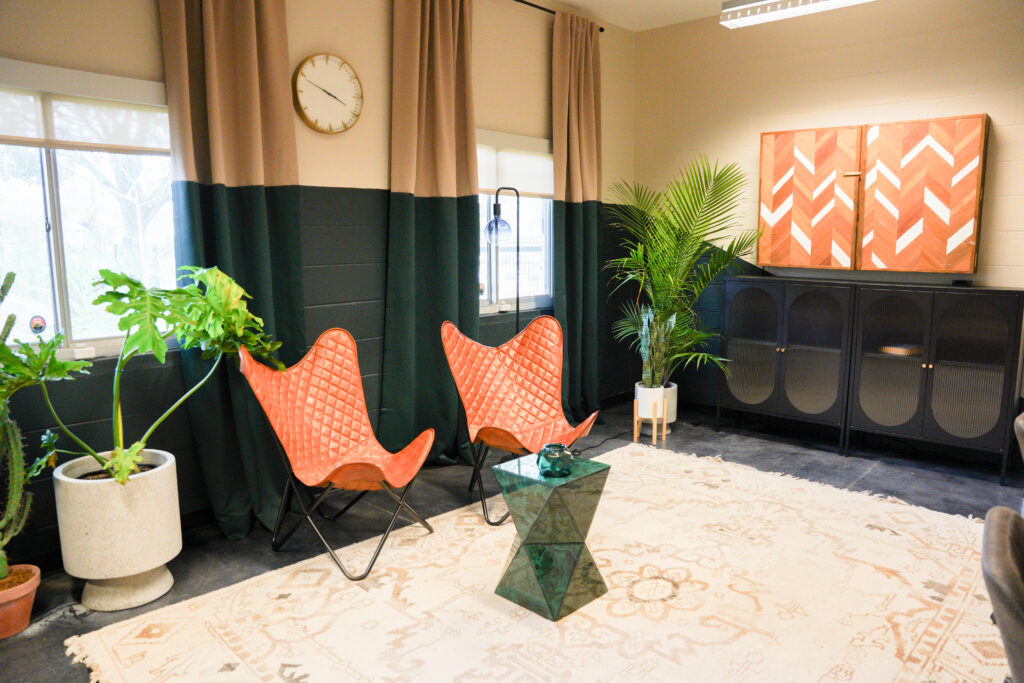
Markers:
point(550, 570)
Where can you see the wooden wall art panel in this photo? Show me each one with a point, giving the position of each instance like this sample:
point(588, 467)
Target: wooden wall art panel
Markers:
point(808, 211)
point(922, 195)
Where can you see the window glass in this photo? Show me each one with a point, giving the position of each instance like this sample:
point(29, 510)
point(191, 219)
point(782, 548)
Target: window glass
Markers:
point(20, 114)
point(532, 174)
point(24, 243)
point(115, 214)
point(110, 123)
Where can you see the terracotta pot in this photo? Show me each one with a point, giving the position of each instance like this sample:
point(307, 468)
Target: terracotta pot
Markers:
point(16, 603)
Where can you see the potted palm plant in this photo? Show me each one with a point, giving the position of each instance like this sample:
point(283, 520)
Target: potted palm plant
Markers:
point(117, 510)
point(677, 241)
point(21, 365)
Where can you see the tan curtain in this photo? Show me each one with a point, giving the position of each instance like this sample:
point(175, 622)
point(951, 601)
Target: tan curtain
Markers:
point(236, 206)
point(229, 91)
point(433, 139)
point(433, 220)
point(576, 108)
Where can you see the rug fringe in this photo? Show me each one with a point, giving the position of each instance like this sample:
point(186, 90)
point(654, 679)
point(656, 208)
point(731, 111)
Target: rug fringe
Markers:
point(75, 648)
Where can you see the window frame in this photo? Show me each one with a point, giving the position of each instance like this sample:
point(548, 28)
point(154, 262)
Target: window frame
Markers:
point(48, 83)
point(519, 143)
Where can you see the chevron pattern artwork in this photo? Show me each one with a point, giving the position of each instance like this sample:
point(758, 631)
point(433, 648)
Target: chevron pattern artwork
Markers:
point(922, 190)
point(807, 213)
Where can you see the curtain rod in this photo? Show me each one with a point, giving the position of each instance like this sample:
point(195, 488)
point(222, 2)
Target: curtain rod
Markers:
point(545, 9)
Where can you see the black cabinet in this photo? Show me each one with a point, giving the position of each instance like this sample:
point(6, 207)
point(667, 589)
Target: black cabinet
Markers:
point(890, 357)
point(934, 363)
point(937, 364)
point(785, 343)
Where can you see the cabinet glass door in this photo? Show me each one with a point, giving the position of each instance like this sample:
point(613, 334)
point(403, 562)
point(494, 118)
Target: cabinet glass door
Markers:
point(812, 359)
point(970, 356)
point(891, 369)
point(752, 343)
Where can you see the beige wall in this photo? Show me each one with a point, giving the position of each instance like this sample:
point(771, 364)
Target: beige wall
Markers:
point(704, 88)
point(360, 32)
point(511, 83)
point(117, 38)
point(512, 70)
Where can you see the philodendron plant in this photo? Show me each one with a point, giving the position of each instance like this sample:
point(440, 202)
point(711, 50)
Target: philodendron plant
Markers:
point(22, 365)
point(208, 312)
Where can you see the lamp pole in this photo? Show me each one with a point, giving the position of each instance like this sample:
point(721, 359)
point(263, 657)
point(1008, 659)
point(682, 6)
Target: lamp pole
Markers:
point(497, 218)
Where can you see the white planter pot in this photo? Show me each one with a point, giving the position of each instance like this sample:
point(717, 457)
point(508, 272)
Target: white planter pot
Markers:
point(119, 537)
point(647, 399)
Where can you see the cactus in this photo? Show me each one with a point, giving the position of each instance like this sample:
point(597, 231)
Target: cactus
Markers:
point(22, 365)
point(11, 452)
point(19, 500)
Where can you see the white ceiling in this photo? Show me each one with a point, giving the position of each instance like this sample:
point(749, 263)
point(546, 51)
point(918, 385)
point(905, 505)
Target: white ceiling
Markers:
point(640, 15)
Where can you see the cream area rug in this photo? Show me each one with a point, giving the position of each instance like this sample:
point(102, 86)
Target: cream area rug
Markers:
point(715, 572)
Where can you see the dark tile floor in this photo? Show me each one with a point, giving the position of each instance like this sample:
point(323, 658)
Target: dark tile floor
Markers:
point(209, 561)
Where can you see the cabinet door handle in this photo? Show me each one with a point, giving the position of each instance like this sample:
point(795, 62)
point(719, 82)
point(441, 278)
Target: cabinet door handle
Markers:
point(924, 366)
point(931, 366)
point(777, 349)
point(783, 350)
point(851, 174)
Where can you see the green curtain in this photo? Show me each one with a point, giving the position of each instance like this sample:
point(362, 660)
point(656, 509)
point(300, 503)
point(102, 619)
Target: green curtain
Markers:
point(576, 302)
point(576, 142)
point(236, 206)
point(433, 223)
point(252, 234)
point(433, 276)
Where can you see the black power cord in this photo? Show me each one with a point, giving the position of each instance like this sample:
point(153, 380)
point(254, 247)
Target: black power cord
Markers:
point(579, 452)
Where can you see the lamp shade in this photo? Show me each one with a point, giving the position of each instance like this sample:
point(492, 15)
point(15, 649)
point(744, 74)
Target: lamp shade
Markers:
point(498, 231)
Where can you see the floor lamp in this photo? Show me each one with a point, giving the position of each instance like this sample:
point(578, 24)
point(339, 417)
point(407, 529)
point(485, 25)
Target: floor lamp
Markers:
point(497, 227)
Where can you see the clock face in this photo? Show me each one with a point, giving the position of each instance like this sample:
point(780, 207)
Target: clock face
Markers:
point(328, 95)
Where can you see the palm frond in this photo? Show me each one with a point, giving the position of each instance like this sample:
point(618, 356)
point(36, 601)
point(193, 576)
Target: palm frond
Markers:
point(676, 243)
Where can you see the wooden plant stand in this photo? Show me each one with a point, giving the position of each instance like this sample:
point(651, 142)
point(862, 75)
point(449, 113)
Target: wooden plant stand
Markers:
point(637, 420)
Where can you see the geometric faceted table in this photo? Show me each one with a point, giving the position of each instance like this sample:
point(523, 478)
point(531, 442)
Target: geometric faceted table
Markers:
point(549, 570)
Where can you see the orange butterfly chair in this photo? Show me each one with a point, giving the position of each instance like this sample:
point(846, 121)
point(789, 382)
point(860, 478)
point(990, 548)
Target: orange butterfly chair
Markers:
point(318, 411)
point(512, 394)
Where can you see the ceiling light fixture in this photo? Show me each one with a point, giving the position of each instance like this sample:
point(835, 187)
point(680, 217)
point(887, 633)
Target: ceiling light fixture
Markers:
point(739, 13)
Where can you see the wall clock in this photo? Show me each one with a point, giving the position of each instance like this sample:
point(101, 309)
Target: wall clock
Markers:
point(328, 94)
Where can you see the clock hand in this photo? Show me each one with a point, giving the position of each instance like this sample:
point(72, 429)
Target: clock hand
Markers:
point(327, 92)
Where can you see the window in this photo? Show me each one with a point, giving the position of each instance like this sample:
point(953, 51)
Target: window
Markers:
point(525, 164)
point(85, 184)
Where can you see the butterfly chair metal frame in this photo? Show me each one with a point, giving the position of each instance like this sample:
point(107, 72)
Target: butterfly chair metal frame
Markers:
point(332, 459)
point(511, 395)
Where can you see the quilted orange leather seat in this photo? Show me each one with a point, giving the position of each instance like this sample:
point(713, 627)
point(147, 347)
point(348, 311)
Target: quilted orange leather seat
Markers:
point(512, 394)
point(318, 411)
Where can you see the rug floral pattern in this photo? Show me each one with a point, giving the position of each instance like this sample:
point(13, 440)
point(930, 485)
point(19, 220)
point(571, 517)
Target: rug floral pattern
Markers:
point(715, 571)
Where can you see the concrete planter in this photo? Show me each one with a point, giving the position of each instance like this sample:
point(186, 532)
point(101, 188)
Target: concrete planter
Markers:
point(119, 537)
point(648, 398)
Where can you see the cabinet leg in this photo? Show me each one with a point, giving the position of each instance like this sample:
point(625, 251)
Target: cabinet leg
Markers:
point(1002, 473)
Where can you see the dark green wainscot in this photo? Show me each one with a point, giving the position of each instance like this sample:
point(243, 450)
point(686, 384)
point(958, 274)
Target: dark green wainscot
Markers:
point(550, 571)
